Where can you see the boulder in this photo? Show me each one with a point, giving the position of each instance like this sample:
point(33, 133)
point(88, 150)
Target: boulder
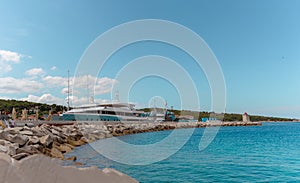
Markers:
point(19, 139)
point(13, 131)
point(30, 149)
point(46, 140)
point(3, 149)
point(12, 150)
point(69, 145)
point(6, 135)
point(33, 140)
point(72, 158)
point(63, 148)
point(25, 128)
point(58, 139)
point(20, 156)
point(37, 132)
point(26, 132)
point(56, 153)
point(66, 130)
point(4, 142)
point(75, 142)
point(75, 136)
point(84, 139)
point(55, 132)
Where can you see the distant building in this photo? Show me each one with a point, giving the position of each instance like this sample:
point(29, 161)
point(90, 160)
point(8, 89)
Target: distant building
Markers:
point(246, 117)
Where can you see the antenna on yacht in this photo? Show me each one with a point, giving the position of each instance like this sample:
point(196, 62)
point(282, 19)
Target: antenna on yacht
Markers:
point(68, 101)
point(117, 96)
point(87, 90)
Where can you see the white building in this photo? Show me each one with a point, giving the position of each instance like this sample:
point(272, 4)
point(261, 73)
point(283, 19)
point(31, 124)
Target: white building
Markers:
point(246, 117)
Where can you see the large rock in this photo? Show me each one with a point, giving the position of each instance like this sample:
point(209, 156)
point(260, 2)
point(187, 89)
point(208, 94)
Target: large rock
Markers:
point(19, 139)
point(30, 149)
point(20, 156)
point(40, 131)
point(64, 148)
point(85, 140)
point(12, 150)
point(58, 139)
point(3, 149)
point(75, 142)
point(72, 158)
point(56, 153)
point(37, 132)
point(55, 132)
point(75, 135)
point(33, 140)
point(26, 132)
point(46, 140)
point(4, 142)
point(69, 145)
point(13, 131)
point(6, 135)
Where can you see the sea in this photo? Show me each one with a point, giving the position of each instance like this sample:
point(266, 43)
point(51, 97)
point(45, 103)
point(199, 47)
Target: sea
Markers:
point(267, 153)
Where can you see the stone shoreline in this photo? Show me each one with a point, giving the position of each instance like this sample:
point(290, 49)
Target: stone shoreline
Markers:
point(27, 144)
point(54, 141)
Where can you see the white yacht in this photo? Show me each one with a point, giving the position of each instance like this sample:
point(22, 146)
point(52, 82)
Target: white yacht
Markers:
point(115, 111)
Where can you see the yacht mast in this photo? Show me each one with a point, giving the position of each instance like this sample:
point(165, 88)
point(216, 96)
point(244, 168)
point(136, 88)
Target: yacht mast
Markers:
point(68, 102)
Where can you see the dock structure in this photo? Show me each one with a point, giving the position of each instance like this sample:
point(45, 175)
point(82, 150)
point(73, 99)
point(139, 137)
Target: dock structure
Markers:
point(152, 124)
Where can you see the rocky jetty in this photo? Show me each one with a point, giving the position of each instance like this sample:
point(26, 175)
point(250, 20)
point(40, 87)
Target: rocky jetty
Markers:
point(27, 144)
point(54, 141)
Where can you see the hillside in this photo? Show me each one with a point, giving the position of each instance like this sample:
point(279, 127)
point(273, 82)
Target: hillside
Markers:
point(6, 107)
point(226, 117)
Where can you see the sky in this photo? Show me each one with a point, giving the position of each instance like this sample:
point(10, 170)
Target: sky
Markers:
point(255, 42)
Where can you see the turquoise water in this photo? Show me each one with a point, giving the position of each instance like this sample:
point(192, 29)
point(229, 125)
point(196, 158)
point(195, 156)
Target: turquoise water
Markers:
point(268, 153)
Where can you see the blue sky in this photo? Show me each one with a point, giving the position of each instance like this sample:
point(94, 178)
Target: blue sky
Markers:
point(256, 42)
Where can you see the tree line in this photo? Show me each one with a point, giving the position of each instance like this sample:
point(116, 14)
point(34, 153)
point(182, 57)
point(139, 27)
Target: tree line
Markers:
point(6, 107)
point(224, 117)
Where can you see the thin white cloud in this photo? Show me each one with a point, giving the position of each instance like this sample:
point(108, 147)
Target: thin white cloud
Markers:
point(35, 72)
point(10, 85)
point(104, 85)
point(9, 56)
point(83, 88)
point(53, 68)
point(50, 99)
point(64, 91)
point(95, 85)
point(79, 101)
point(45, 98)
point(55, 81)
point(4, 67)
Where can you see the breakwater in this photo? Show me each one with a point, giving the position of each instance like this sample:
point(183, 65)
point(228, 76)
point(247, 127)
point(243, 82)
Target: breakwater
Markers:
point(27, 143)
point(54, 141)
